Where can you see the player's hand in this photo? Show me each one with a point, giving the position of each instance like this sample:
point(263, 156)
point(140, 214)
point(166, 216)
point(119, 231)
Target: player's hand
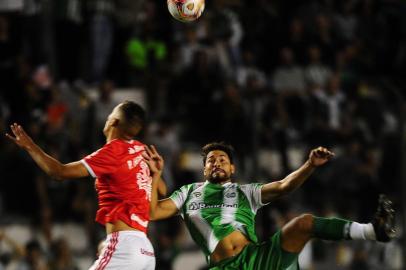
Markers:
point(319, 156)
point(20, 137)
point(154, 160)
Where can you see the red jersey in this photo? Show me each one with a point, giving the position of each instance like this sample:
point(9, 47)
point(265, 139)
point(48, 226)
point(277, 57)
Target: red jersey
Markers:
point(123, 183)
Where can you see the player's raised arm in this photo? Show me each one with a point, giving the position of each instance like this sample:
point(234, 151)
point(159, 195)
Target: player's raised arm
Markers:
point(163, 208)
point(47, 163)
point(274, 190)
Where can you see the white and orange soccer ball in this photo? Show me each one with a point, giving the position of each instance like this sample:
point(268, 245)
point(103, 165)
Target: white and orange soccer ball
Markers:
point(186, 10)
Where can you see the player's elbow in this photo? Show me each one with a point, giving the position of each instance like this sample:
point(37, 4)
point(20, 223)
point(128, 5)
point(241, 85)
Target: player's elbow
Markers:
point(57, 177)
point(55, 174)
point(60, 173)
point(286, 187)
point(152, 216)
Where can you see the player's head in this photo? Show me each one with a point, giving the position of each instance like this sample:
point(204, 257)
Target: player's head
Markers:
point(128, 118)
point(218, 162)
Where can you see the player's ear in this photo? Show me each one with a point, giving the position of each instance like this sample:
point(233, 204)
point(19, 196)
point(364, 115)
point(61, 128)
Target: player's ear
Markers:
point(205, 172)
point(114, 122)
point(134, 130)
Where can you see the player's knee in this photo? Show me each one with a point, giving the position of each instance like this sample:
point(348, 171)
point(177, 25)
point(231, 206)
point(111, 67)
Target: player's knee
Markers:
point(304, 223)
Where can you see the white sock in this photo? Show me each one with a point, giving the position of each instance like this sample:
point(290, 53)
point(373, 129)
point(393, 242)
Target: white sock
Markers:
point(362, 231)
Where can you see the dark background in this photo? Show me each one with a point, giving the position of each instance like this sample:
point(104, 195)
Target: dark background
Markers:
point(273, 78)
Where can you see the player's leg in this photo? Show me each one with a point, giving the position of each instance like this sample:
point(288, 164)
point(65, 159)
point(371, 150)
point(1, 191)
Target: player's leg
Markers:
point(300, 230)
point(296, 233)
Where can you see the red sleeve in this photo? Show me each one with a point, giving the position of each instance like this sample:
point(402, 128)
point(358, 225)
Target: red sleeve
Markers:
point(103, 161)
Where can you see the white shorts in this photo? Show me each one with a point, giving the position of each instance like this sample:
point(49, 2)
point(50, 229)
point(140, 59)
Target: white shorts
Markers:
point(126, 250)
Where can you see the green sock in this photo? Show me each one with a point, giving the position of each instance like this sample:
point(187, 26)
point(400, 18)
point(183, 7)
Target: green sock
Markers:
point(331, 228)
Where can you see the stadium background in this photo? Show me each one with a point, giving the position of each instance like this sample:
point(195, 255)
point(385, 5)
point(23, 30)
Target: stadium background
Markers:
point(274, 78)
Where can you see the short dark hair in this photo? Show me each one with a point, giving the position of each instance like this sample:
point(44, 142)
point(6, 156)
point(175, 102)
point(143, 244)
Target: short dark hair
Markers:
point(133, 118)
point(222, 146)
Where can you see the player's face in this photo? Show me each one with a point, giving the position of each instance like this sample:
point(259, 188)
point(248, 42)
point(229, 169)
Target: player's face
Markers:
point(111, 120)
point(218, 167)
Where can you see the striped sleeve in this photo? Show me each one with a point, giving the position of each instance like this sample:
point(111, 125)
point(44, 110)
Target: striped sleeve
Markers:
point(179, 196)
point(253, 194)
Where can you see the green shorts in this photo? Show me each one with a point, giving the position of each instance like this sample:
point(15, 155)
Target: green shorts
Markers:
point(267, 255)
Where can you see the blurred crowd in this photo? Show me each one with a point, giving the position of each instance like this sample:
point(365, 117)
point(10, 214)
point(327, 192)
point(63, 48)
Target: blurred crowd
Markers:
point(274, 78)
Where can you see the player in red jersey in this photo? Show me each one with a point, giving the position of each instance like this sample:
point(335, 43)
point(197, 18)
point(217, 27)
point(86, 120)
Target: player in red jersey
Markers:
point(123, 184)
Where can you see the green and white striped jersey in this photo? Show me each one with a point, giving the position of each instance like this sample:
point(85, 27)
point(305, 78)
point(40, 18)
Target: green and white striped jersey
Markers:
point(213, 211)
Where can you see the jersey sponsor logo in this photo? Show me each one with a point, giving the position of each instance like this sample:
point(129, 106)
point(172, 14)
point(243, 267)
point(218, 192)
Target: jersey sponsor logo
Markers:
point(197, 206)
point(146, 252)
point(231, 195)
point(144, 181)
point(137, 219)
point(135, 149)
point(132, 163)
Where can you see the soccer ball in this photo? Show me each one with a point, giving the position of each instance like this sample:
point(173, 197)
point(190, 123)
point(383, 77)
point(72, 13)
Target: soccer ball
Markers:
point(186, 10)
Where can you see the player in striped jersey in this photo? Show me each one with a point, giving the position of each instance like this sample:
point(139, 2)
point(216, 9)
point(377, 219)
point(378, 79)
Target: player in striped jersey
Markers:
point(220, 214)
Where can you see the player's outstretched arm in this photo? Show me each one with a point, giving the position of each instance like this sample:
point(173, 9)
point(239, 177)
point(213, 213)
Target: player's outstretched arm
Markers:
point(274, 190)
point(163, 208)
point(162, 188)
point(47, 163)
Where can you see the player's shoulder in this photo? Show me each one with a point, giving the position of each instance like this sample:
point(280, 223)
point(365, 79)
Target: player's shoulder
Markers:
point(250, 186)
point(192, 186)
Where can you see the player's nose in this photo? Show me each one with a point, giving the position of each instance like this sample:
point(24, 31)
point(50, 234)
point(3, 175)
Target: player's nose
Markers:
point(217, 163)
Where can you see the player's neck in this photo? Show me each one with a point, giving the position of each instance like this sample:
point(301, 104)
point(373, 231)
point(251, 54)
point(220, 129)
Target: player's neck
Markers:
point(112, 135)
point(116, 134)
point(221, 182)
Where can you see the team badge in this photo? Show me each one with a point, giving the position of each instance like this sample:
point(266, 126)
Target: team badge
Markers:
point(231, 195)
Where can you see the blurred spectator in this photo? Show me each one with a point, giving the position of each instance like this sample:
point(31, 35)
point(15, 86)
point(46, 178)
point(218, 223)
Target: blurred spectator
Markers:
point(164, 135)
point(226, 33)
point(348, 64)
point(324, 38)
point(316, 73)
point(334, 99)
point(259, 17)
point(193, 93)
point(360, 261)
point(61, 257)
point(248, 69)
point(370, 111)
point(289, 84)
point(68, 31)
point(9, 52)
point(146, 49)
point(232, 115)
point(33, 31)
point(296, 39)
point(8, 260)
point(102, 108)
point(288, 76)
point(189, 46)
point(57, 111)
point(127, 15)
point(101, 13)
point(346, 21)
point(34, 258)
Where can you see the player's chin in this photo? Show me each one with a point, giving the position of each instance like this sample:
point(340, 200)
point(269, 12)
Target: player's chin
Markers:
point(218, 177)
